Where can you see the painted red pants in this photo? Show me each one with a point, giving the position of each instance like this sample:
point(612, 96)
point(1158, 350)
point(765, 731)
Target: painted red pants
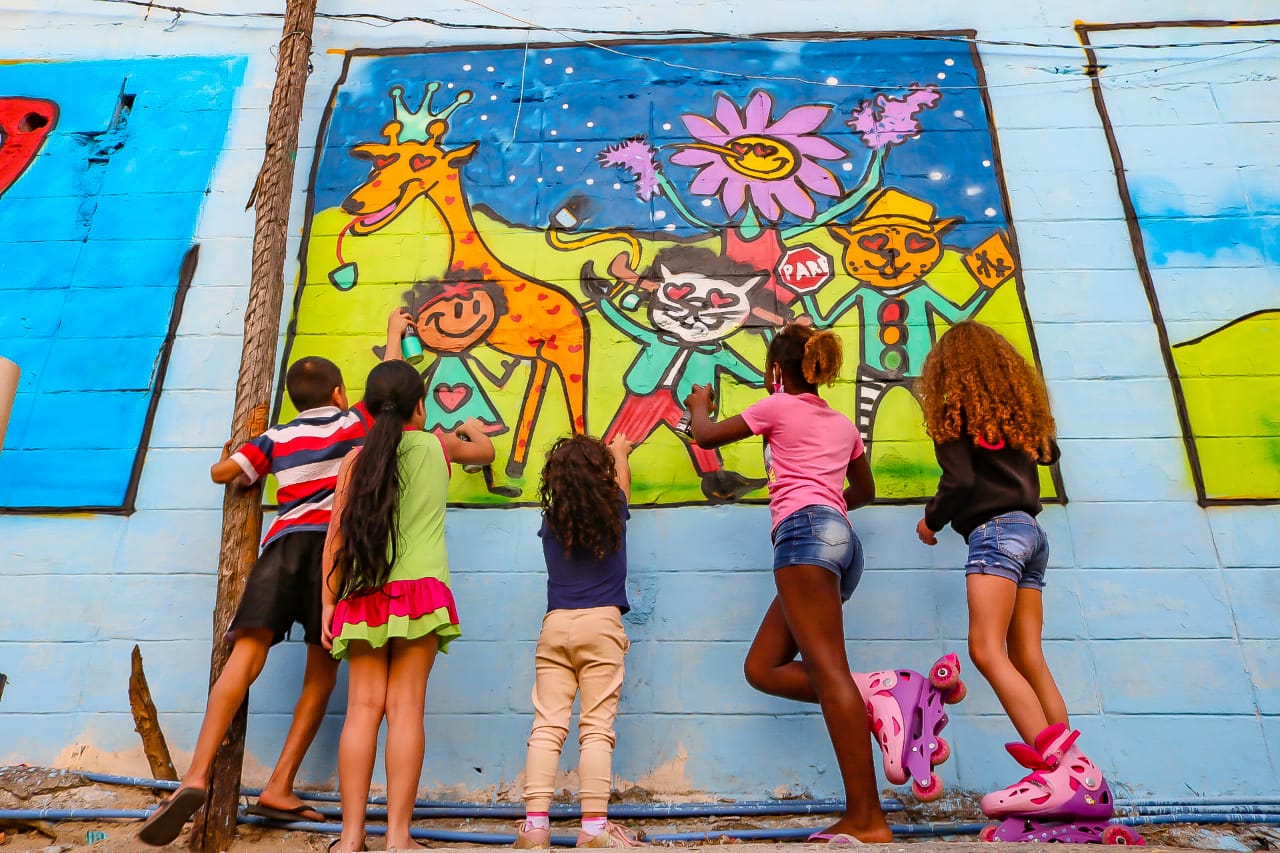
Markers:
point(640, 414)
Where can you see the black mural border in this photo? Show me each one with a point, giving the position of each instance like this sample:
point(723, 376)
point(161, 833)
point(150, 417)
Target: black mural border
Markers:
point(969, 36)
point(1092, 68)
point(128, 504)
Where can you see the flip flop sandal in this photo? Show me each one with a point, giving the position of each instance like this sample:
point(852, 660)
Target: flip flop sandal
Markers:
point(293, 815)
point(838, 838)
point(166, 822)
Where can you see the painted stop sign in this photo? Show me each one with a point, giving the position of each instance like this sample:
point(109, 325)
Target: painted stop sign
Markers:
point(805, 268)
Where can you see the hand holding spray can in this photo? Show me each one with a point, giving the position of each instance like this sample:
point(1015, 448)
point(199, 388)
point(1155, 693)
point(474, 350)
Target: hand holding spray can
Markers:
point(684, 426)
point(411, 345)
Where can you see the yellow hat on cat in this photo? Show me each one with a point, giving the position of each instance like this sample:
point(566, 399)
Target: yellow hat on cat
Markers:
point(891, 207)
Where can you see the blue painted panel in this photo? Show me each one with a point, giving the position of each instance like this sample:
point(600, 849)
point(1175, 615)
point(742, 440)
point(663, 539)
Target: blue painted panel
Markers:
point(1156, 603)
point(1183, 676)
point(108, 172)
point(1255, 601)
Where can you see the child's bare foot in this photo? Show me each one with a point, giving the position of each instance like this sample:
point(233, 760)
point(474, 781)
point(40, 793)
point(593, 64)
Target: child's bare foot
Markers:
point(337, 845)
point(877, 832)
point(403, 845)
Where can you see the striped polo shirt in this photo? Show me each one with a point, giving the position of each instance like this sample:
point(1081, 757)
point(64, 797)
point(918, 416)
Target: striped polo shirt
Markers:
point(305, 455)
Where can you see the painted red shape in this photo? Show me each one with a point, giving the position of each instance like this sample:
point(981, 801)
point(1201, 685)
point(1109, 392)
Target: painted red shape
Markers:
point(575, 377)
point(805, 268)
point(575, 348)
point(468, 238)
point(516, 318)
point(554, 310)
point(25, 123)
point(452, 397)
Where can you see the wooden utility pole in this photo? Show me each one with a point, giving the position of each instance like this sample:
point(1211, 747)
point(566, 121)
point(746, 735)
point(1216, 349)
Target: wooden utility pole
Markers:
point(215, 825)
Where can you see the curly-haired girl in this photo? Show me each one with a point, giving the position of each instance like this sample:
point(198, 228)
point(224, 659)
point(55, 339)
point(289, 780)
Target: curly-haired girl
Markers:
point(811, 451)
point(585, 489)
point(987, 411)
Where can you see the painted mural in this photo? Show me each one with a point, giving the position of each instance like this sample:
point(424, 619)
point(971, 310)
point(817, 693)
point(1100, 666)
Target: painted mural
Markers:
point(103, 169)
point(1205, 241)
point(584, 234)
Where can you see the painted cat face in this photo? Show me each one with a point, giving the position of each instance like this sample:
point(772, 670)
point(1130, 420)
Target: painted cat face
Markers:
point(699, 309)
point(890, 257)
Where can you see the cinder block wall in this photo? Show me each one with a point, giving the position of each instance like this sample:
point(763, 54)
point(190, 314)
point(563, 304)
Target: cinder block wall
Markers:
point(1163, 597)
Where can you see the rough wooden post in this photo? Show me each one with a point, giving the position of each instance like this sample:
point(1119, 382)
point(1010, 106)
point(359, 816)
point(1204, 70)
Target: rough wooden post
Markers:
point(215, 825)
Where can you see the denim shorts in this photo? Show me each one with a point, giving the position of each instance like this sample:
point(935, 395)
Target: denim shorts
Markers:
point(1010, 546)
point(820, 536)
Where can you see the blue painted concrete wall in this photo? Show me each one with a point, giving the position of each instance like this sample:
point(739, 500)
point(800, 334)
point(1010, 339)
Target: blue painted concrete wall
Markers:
point(1161, 612)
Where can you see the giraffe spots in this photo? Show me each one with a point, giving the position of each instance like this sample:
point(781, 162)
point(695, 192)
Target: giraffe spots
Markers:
point(521, 286)
point(452, 176)
point(459, 265)
point(534, 342)
point(553, 310)
point(523, 443)
point(468, 238)
point(449, 199)
point(516, 318)
point(575, 377)
point(542, 297)
point(579, 422)
point(575, 348)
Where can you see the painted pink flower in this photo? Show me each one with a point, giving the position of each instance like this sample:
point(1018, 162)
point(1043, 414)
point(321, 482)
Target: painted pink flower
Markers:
point(885, 121)
point(745, 152)
point(638, 157)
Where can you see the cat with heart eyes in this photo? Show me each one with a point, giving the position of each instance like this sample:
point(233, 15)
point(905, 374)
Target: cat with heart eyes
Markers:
point(696, 300)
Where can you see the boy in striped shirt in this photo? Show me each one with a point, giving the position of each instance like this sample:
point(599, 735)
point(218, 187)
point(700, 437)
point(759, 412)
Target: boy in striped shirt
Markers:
point(283, 587)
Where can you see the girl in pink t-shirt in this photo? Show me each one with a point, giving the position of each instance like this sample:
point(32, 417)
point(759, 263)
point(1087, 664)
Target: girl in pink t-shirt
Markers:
point(811, 452)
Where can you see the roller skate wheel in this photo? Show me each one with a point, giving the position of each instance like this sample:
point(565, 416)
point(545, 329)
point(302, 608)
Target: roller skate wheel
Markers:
point(1120, 834)
point(945, 673)
point(987, 833)
point(956, 694)
point(929, 791)
point(942, 753)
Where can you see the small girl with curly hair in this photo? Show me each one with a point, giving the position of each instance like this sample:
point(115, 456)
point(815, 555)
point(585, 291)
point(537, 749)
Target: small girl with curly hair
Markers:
point(811, 452)
point(987, 411)
point(585, 489)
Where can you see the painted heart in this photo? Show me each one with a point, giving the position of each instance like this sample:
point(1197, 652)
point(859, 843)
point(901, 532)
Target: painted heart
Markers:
point(418, 162)
point(873, 242)
point(676, 292)
point(575, 348)
point(449, 199)
point(451, 397)
point(919, 242)
point(516, 318)
point(720, 299)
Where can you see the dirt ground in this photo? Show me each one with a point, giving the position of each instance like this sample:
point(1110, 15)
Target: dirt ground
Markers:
point(41, 789)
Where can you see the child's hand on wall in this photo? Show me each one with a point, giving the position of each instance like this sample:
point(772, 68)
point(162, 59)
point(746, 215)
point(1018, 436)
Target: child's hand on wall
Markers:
point(926, 535)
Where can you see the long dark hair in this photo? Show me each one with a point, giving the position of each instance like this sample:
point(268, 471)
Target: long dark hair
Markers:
point(580, 496)
point(368, 549)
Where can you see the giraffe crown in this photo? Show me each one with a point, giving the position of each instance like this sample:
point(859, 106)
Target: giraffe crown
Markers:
point(416, 126)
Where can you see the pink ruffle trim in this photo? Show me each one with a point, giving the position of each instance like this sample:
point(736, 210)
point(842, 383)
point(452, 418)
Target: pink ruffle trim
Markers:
point(410, 599)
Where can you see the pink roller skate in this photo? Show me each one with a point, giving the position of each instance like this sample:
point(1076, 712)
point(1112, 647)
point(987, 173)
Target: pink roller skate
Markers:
point(905, 712)
point(1064, 798)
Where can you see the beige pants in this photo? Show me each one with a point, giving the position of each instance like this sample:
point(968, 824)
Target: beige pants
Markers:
point(578, 650)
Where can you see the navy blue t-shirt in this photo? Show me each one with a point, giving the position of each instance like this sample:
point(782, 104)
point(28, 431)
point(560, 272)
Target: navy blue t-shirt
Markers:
point(580, 581)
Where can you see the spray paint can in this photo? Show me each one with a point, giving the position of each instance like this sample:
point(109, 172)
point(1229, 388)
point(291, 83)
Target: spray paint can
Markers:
point(684, 426)
point(411, 346)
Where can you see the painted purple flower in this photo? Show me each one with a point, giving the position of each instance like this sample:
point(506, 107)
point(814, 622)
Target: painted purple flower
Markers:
point(741, 152)
point(885, 121)
point(638, 157)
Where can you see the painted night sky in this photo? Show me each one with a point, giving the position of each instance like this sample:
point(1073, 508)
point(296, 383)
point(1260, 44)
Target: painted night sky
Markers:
point(539, 140)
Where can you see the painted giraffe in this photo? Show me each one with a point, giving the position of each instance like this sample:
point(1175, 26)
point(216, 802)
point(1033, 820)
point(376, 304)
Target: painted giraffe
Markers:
point(542, 324)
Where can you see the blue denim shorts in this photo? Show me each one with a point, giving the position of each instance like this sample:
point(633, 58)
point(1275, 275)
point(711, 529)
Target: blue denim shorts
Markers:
point(1010, 546)
point(820, 536)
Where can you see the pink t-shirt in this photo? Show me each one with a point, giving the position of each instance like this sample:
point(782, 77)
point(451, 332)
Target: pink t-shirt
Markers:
point(808, 446)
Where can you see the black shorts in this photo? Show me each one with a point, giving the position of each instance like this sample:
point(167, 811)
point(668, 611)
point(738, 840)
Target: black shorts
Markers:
point(284, 587)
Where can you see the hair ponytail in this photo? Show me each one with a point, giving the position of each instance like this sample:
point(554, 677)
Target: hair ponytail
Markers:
point(823, 356)
point(368, 522)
